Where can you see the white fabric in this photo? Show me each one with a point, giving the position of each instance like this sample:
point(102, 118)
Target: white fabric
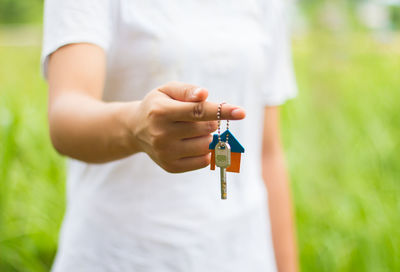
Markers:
point(131, 215)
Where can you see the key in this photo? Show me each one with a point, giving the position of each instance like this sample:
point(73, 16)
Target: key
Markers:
point(223, 161)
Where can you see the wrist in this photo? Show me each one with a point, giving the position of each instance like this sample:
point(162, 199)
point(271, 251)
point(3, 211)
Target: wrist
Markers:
point(127, 118)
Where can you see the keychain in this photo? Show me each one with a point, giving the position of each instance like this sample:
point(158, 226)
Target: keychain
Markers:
point(225, 154)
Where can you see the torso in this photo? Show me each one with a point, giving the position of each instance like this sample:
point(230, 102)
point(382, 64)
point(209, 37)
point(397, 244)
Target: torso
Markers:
point(130, 215)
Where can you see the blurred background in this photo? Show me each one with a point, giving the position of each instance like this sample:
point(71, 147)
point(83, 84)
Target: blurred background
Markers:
point(341, 136)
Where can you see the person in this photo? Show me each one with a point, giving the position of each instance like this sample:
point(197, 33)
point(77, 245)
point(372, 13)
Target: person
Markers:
point(134, 88)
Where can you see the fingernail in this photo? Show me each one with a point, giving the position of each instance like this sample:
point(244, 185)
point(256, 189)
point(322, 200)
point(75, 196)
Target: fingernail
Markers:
point(196, 92)
point(237, 113)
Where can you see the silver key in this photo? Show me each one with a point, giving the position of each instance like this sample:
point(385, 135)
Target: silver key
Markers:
point(223, 160)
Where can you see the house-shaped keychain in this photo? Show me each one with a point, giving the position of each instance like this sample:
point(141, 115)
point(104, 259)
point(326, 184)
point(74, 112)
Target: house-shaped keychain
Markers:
point(236, 151)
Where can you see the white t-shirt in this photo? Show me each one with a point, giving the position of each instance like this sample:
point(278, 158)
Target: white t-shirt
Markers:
point(131, 215)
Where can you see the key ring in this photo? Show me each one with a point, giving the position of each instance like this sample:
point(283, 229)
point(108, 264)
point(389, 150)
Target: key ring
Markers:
point(219, 123)
point(225, 155)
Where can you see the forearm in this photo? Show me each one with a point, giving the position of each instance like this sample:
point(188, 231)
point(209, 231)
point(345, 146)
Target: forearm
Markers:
point(280, 208)
point(171, 124)
point(90, 130)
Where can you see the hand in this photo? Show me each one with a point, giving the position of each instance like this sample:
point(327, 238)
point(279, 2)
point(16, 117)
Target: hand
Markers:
point(173, 126)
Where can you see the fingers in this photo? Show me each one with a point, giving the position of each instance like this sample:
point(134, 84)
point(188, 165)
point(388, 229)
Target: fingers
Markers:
point(185, 130)
point(194, 163)
point(184, 92)
point(187, 155)
point(194, 147)
point(189, 164)
point(204, 111)
point(195, 107)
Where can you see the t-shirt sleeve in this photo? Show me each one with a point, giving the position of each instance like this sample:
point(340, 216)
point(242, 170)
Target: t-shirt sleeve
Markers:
point(281, 82)
point(75, 21)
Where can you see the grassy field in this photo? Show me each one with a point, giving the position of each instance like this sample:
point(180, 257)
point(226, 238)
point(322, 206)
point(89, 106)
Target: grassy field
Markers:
point(342, 139)
point(31, 174)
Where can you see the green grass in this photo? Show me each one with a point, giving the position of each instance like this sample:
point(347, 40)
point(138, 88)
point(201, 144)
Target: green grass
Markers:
point(31, 174)
point(342, 139)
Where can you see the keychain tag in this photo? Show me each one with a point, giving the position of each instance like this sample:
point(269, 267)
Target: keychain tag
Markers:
point(236, 149)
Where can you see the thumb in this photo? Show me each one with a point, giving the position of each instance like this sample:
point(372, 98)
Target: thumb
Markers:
point(184, 92)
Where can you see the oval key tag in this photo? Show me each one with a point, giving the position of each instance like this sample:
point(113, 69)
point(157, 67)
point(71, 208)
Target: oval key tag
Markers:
point(223, 155)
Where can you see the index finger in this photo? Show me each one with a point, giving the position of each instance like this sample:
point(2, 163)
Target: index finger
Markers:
point(205, 111)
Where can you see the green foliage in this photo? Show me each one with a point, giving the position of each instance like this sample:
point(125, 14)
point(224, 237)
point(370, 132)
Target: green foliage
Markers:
point(341, 135)
point(31, 174)
point(20, 11)
point(395, 16)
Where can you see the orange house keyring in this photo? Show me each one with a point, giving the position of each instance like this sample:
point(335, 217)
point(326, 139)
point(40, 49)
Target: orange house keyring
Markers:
point(225, 154)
